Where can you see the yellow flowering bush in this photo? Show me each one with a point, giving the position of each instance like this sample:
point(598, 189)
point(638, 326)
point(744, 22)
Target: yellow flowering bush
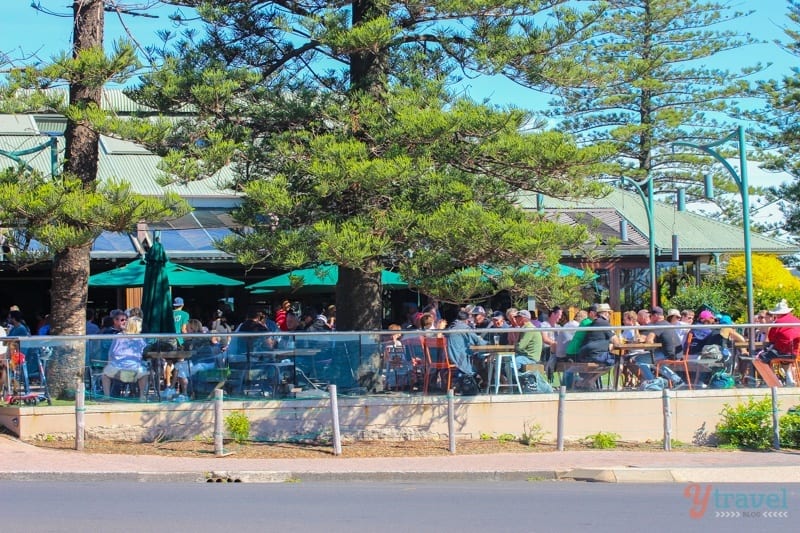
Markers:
point(772, 282)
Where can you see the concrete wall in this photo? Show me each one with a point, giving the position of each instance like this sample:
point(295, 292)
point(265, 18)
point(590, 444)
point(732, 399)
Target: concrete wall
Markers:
point(635, 416)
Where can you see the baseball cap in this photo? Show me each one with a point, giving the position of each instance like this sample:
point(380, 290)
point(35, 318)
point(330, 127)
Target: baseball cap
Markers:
point(657, 311)
point(498, 314)
point(592, 308)
point(725, 319)
point(478, 310)
point(524, 313)
point(177, 301)
point(705, 314)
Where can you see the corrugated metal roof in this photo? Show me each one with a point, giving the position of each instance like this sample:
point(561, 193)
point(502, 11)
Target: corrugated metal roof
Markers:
point(696, 234)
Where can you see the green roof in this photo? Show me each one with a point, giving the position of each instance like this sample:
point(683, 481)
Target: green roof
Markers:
point(697, 234)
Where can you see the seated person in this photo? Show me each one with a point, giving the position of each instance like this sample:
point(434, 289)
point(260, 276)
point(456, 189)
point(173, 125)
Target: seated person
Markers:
point(529, 345)
point(596, 347)
point(458, 343)
point(597, 343)
point(125, 355)
point(783, 339)
point(670, 349)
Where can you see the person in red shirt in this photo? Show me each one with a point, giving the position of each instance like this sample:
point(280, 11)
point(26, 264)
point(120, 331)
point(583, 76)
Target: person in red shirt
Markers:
point(280, 315)
point(784, 338)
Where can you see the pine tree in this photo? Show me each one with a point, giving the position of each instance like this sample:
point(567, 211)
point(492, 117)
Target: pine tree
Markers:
point(648, 82)
point(779, 139)
point(352, 147)
point(67, 212)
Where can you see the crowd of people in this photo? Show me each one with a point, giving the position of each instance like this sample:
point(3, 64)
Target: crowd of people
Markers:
point(551, 338)
point(548, 338)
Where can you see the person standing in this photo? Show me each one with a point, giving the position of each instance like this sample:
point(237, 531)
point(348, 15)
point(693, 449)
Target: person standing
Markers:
point(18, 328)
point(280, 315)
point(180, 317)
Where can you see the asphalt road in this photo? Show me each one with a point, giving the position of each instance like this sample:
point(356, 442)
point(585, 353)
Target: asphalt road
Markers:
point(402, 507)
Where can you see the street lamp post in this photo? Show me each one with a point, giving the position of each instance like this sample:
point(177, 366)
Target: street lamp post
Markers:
point(648, 201)
point(741, 182)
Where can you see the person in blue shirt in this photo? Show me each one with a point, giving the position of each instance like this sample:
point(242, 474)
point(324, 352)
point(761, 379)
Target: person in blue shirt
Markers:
point(459, 341)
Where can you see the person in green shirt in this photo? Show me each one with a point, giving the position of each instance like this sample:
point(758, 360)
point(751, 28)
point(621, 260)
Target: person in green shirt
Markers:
point(530, 341)
point(575, 344)
point(181, 318)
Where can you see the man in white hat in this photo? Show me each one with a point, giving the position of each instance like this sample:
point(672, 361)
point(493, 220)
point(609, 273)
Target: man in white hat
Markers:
point(784, 338)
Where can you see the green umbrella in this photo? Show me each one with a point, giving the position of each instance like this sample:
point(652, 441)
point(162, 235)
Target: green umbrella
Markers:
point(132, 275)
point(320, 279)
point(156, 300)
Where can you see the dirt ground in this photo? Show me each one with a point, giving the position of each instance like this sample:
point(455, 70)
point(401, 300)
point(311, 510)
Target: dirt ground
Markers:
point(282, 450)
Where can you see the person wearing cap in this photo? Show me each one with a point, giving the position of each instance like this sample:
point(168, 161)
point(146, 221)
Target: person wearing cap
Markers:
point(479, 320)
point(783, 337)
point(700, 336)
point(671, 347)
point(599, 341)
point(724, 337)
point(529, 346)
point(498, 321)
point(459, 342)
point(180, 317)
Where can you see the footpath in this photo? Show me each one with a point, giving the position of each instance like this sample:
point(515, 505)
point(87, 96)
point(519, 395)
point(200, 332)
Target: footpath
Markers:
point(22, 461)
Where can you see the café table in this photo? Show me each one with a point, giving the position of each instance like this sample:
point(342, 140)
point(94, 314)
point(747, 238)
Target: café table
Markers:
point(623, 351)
point(159, 359)
point(497, 354)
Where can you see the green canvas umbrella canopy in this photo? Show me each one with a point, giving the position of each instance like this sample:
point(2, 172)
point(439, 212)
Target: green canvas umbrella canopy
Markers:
point(156, 297)
point(319, 279)
point(132, 275)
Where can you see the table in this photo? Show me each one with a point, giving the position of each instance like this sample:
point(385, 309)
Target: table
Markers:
point(157, 358)
point(622, 351)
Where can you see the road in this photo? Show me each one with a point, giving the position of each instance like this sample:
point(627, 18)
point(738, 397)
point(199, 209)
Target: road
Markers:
point(394, 507)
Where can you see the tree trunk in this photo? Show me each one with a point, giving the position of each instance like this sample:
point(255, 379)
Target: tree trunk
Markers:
point(359, 304)
point(70, 272)
point(69, 293)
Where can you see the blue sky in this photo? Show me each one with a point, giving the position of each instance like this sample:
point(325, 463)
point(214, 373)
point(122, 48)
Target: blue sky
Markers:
point(27, 31)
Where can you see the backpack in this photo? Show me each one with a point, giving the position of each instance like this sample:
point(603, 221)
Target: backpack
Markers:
point(534, 382)
point(467, 385)
point(721, 380)
point(711, 351)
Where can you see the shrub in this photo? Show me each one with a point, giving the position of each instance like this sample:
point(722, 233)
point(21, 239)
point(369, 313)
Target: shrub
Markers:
point(238, 426)
point(602, 440)
point(789, 428)
point(747, 425)
point(532, 434)
point(507, 437)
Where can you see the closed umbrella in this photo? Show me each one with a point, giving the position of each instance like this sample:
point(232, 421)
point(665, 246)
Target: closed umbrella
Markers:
point(156, 300)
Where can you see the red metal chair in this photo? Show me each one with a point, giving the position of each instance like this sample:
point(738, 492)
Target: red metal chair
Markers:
point(436, 359)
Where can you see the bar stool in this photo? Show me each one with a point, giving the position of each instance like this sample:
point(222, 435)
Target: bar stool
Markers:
point(496, 362)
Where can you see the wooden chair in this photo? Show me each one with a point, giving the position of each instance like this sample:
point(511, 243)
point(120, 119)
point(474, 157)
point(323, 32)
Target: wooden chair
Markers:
point(792, 361)
point(436, 359)
point(679, 363)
